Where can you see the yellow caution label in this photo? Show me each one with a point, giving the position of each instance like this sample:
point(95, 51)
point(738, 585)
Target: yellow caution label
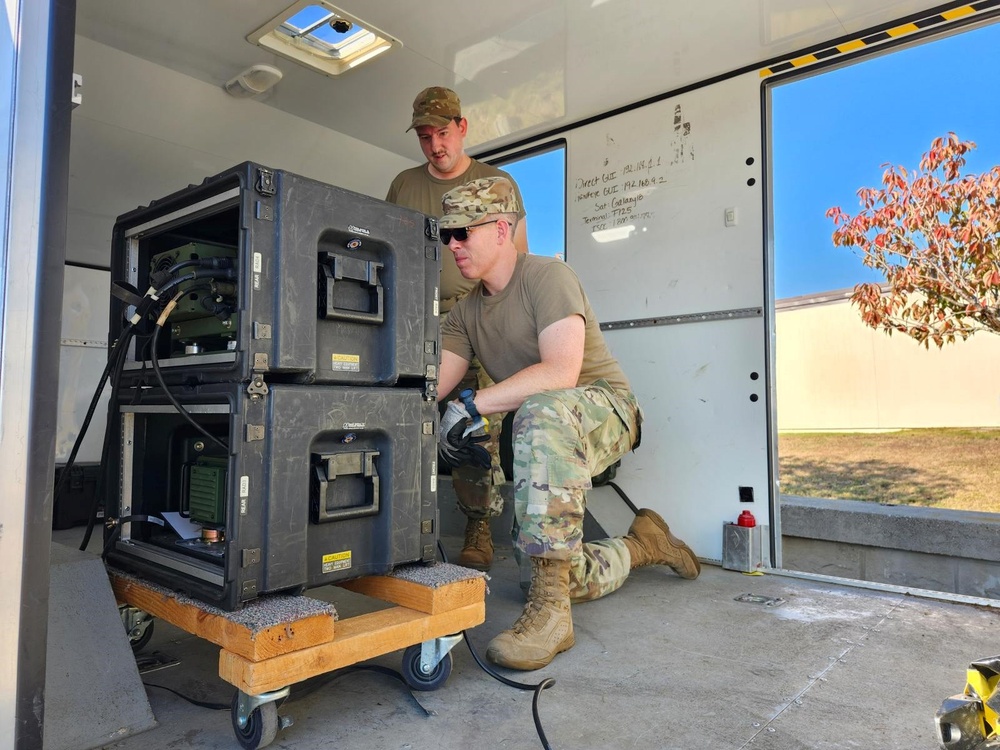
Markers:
point(336, 561)
point(345, 362)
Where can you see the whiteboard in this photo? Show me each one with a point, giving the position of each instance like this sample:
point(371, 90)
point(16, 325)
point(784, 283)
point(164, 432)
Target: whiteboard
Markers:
point(663, 176)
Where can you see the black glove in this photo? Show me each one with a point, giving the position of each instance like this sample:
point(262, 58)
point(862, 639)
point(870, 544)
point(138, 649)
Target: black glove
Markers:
point(460, 437)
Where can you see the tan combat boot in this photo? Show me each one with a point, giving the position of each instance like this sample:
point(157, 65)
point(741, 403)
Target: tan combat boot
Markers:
point(650, 542)
point(477, 551)
point(545, 628)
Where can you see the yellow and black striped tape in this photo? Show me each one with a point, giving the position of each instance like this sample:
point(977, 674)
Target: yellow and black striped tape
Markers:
point(881, 36)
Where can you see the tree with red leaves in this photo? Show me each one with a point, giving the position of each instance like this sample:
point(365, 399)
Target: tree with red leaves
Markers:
point(935, 234)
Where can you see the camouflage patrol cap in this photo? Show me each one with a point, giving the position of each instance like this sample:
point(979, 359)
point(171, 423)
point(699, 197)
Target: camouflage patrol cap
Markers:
point(435, 106)
point(470, 202)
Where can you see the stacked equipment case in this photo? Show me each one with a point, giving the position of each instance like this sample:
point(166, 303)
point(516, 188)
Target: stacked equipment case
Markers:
point(272, 423)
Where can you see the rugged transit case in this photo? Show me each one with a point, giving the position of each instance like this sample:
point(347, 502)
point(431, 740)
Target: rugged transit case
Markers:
point(283, 276)
point(302, 486)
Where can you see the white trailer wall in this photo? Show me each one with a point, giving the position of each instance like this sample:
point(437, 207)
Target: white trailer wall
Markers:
point(682, 294)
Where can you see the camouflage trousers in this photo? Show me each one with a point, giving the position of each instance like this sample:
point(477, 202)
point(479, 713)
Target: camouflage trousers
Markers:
point(478, 490)
point(562, 439)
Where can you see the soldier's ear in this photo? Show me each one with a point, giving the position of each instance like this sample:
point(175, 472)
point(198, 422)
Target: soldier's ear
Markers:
point(505, 231)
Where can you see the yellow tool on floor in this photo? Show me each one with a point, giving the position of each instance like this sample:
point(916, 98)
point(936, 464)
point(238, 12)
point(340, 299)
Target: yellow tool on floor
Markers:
point(968, 721)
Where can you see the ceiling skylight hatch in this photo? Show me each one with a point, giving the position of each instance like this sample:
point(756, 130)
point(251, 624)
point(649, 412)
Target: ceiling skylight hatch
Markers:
point(319, 35)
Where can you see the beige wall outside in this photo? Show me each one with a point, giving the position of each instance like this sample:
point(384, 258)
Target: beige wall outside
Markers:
point(835, 373)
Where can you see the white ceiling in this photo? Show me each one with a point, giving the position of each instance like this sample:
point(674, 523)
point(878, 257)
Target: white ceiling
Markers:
point(521, 67)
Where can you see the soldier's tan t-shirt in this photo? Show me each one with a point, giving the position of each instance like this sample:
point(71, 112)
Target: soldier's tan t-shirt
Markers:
point(502, 329)
point(416, 188)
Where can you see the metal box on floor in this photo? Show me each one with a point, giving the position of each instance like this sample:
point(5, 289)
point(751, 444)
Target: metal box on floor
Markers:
point(281, 276)
point(297, 487)
point(746, 548)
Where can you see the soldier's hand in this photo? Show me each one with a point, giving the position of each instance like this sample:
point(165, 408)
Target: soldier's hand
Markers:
point(459, 438)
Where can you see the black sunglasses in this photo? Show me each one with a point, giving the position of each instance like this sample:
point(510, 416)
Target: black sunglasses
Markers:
point(461, 233)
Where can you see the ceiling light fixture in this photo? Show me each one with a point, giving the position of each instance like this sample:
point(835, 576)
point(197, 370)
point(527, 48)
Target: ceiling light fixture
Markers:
point(253, 81)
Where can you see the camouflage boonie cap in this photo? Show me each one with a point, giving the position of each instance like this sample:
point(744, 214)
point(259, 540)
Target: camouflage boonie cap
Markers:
point(435, 106)
point(470, 202)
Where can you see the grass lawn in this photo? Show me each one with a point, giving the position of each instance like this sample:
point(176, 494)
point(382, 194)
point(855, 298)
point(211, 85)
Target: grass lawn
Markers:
point(940, 468)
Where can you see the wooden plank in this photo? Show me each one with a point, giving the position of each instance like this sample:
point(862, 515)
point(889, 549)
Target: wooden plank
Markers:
point(416, 596)
point(357, 639)
point(234, 637)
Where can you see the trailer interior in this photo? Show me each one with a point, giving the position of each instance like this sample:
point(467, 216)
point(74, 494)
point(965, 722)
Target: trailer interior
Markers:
point(661, 114)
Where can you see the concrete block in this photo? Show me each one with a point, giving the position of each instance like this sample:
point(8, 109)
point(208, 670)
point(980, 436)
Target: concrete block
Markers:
point(978, 578)
point(936, 531)
point(901, 568)
point(93, 693)
point(821, 557)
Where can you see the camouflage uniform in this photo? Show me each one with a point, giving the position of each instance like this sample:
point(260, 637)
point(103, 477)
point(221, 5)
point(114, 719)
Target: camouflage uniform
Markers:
point(562, 439)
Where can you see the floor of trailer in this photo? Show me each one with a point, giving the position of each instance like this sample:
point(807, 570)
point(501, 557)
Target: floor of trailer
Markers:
point(662, 663)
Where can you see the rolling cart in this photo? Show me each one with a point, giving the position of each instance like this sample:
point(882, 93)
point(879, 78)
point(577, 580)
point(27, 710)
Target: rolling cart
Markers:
point(277, 641)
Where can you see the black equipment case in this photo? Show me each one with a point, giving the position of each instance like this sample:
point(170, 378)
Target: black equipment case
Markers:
point(327, 285)
point(315, 484)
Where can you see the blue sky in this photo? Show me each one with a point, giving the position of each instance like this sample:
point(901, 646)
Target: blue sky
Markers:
point(833, 132)
point(544, 196)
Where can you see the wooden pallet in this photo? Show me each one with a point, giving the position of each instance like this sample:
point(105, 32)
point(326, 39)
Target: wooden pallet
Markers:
point(258, 659)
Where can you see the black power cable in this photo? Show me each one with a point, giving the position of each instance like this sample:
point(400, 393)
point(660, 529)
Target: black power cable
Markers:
point(105, 469)
point(114, 358)
point(189, 699)
point(302, 689)
point(114, 367)
point(535, 689)
point(159, 375)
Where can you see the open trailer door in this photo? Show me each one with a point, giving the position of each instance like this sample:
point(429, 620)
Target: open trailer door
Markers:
point(36, 47)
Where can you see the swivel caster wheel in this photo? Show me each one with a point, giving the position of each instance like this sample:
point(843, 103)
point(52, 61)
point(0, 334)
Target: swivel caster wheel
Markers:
point(255, 718)
point(419, 678)
point(138, 626)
